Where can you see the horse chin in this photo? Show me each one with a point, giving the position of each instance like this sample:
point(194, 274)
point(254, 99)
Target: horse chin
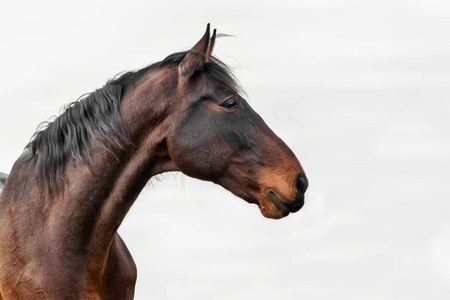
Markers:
point(275, 206)
point(273, 214)
point(271, 207)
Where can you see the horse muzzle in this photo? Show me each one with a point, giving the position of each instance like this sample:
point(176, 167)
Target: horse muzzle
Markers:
point(279, 205)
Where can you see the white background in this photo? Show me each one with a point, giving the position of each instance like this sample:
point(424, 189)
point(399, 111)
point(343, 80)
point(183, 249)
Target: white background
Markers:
point(359, 90)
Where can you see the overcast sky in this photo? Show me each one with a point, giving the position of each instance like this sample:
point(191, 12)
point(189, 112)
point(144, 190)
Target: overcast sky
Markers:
point(359, 90)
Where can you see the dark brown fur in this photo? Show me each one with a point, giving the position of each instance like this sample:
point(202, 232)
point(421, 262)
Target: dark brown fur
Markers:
point(62, 243)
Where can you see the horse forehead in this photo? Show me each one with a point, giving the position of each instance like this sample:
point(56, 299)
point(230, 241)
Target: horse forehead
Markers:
point(220, 92)
point(218, 89)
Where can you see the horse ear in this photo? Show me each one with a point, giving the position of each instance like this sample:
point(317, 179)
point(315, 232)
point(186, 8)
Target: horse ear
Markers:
point(195, 58)
point(210, 47)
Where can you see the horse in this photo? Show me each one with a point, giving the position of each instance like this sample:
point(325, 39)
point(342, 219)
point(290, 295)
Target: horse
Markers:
point(69, 191)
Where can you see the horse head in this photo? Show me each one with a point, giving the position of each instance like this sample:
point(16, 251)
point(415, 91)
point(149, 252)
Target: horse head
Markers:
point(212, 133)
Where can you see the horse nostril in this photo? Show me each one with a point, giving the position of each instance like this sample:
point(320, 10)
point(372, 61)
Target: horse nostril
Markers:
point(302, 183)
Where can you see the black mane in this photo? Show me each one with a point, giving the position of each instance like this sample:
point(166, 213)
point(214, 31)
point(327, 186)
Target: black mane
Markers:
point(96, 116)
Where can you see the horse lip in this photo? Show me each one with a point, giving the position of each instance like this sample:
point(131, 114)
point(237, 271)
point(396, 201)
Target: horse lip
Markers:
point(284, 205)
point(277, 200)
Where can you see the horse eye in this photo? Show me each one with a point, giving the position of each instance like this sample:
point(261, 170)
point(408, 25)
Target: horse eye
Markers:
point(230, 104)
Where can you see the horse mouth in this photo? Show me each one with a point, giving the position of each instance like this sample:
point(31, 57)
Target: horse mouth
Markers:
point(283, 206)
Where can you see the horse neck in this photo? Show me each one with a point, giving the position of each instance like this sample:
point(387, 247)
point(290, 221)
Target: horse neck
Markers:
point(103, 191)
point(95, 197)
point(106, 188)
